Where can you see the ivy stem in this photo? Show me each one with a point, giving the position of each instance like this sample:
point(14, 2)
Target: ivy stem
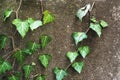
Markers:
point(90, 16)
point(41, 8)
point(68, 66)
point(17, 11)
point(13, 42)
point(13, 63)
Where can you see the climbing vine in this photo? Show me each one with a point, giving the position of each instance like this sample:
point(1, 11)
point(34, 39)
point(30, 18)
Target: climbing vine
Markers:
point(20, 55)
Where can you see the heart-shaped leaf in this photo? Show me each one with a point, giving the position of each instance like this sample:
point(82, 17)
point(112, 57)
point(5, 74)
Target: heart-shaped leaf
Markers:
point(48, 17)
point(41, 77)
point(84, 51)
point(19, 55)
point(4, 66)
point(31, 48)
point(44, 59)
point(83, 11)
point(35, 24)
point(97, 28)
point(27, 70)
point(79, 36)
point(72, 56)
point(103, 23)
point(21, 26)
point(78, 66)
point(60, 73)
point(7, 14)
point(3, 41)
point(44, 39)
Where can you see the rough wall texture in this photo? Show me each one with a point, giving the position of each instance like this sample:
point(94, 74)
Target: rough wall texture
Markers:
point(103, 63)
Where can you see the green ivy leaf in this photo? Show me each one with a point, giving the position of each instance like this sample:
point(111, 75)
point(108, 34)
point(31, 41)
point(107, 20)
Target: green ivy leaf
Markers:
point(103, 23)
point(3, 41)
point(21, 26)
point(93, 19)
point(97, 28)
point(31, 48)
point(16, 76)
point(78, 66)
point(4, 66)
point(44, 59)
point(30, 20)
point(72, 56)
point(83, 11)
point(19, 55)
point(13, 78)
point(27, 70)
point(84, 51)
point(48, 17)
point(41, 77)
point(27, 51)
point(7, 14)
point(45, 39)
point(79, 36)
point(60, 73)
point(35, 24)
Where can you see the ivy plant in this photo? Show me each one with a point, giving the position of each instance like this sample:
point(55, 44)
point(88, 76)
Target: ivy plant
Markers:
point(72, 56)
point(4, 66)
point(15, 76)
point(23, 26)
point(44, 40)
point(27, 70)
point(78, 66)
point(41, 77)
point(3, 41)
point(7, 14)
point(44, 59)
point(97, 25)
point(78, 37)
point(60, 73)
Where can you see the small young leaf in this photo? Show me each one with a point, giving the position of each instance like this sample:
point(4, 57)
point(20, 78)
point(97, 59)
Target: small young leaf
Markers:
point(44, 59)
point(83, 11)
point(33, 63)
point(44, 39)
point(103, 23)
point(35, 24)
point(41, 77)
point(97, 28)
point(79, 36)
point(48, 17)
point(7, 14)
point(27, 70)
point(4, 66)
point(60, 73)
point(78, 66)
point(93, 19)
point(19, 55)
point(84, 51)
point(31, 48)
point(27, 51)
point(72, 56)
point(30, 20)
point(21, 26)
point(3, 41)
